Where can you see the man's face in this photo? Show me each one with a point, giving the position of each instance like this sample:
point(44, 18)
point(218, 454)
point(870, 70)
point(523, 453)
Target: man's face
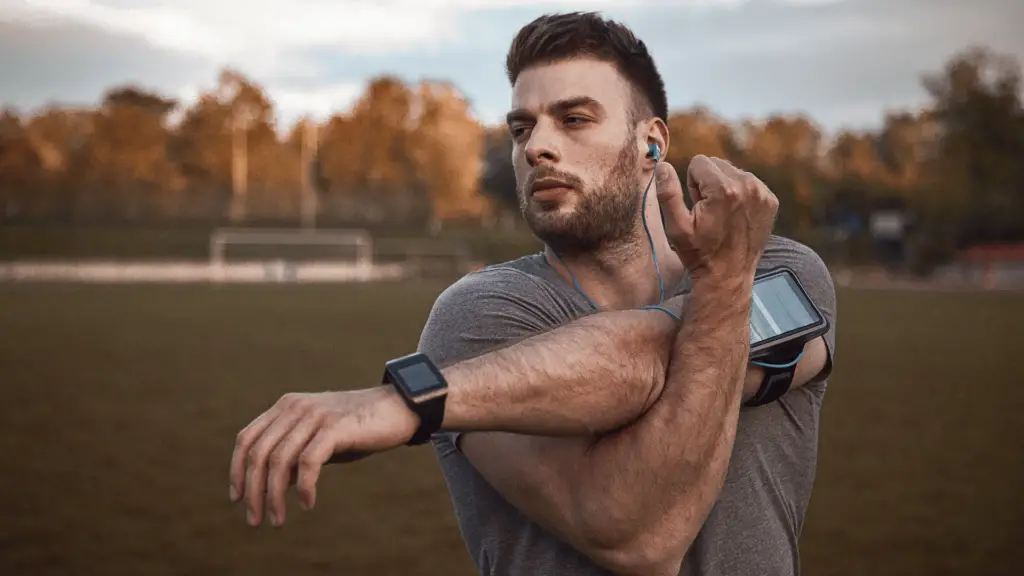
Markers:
point(576, 154)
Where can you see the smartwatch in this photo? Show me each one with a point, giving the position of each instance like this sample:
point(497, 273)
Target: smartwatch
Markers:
point(424, 390)
point(779, 369)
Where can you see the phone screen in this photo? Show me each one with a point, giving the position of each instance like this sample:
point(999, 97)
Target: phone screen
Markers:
point(779, 306)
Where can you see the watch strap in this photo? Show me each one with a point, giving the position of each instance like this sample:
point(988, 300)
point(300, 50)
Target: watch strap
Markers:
point(431, 413)
point(430, 409)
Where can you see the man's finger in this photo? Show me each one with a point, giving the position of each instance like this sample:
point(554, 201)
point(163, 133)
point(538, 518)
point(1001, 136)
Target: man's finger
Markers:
point(282, 463)
point(259, 454)
point(704, 178)
point(678, 219)
point(728, 169)
point(243, 443)
point(311, 461)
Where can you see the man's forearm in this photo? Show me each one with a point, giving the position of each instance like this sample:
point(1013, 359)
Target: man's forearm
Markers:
point(679, 451)
point(596, 374)
point(592, 376)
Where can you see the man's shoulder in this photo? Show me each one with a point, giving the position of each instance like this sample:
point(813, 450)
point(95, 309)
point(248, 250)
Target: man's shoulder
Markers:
point(786, 251)
point(808, 266)
point(515, 278)
point(495, 305)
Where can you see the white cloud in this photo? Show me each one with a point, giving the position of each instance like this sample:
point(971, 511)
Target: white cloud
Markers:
point(259, 35)
point(254, 30)
point(318, 103)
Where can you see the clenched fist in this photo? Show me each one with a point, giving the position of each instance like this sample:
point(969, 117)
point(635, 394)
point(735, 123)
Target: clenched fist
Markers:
point(733, 214)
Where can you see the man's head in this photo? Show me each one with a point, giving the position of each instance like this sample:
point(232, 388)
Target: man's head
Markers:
point(587, 102)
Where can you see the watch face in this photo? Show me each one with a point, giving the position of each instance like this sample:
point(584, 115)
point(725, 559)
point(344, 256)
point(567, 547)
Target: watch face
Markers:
point(419, 378)
point(416, 375)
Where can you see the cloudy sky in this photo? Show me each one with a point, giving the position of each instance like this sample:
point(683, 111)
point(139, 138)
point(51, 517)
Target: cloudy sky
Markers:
point(842, 61)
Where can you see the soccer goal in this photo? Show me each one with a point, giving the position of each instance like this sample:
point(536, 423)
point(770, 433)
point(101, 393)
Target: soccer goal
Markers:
point(279, 254)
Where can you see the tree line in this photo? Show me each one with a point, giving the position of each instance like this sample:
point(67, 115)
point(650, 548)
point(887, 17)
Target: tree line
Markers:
point(414, 154)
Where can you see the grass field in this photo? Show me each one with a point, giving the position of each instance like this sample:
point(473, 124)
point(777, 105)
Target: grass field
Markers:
point(120, 406)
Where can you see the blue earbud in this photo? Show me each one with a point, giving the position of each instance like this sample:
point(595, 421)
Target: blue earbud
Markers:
point(654, 151)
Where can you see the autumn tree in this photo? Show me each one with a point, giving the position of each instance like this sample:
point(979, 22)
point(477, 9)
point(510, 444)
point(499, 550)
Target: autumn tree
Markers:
point(784, 152)
point(59, 137)
point(226, 145)
point(366, 156)
point(125, 166)
point(447, 144)
point(21, 170)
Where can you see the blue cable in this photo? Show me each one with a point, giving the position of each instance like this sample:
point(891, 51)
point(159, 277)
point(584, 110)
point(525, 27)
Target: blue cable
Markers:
point(650, 239)
point(663, 309)
point(786, 365)
point(654, 257)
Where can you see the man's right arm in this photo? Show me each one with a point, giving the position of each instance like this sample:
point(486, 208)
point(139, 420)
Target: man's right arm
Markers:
point(510, 371)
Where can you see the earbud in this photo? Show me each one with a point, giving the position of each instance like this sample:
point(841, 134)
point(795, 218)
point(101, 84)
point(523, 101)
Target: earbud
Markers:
point(654, 151)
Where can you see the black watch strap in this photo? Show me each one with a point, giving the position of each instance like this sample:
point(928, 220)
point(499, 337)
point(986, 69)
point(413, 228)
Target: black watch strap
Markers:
point(779, 370)
point(431, 413)
point(429, 407)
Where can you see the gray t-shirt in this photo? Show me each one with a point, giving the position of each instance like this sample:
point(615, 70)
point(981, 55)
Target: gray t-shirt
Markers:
point(754, 525)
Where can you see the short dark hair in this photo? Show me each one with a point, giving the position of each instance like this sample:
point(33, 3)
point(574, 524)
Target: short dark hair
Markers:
point(554, 37)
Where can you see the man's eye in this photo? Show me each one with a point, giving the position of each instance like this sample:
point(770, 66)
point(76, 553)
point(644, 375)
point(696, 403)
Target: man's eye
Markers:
point(517, 131)
point(575, 120)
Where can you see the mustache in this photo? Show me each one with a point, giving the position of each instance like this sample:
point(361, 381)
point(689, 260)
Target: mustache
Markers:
point(545, 172)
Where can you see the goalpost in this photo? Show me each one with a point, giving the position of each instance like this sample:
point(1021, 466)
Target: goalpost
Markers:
point(278, 252)
point(328, 255)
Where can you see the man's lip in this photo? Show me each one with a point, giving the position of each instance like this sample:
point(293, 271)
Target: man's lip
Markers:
point(549, 184)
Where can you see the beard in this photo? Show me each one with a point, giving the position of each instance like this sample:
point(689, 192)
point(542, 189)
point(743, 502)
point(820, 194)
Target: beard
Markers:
point(603, 217)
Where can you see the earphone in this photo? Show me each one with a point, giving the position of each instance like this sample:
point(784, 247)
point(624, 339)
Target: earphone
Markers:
point(653, 151)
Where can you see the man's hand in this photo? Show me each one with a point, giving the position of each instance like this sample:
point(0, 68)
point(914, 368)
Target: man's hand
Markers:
point(291, 442)
point(732, 217)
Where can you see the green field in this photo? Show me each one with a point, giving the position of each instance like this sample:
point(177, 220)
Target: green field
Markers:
point(120, 406)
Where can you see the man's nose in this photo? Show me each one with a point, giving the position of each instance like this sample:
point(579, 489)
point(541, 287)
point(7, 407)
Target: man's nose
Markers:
point(542, 146)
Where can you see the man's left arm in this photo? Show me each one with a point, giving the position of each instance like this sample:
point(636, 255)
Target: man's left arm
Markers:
point(816, 364)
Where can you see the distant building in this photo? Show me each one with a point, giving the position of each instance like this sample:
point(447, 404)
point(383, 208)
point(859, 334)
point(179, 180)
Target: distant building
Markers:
point(987, 265)
point(888, 228)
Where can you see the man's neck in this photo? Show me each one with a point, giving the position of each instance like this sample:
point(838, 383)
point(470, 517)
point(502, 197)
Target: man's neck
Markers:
point(622, 275)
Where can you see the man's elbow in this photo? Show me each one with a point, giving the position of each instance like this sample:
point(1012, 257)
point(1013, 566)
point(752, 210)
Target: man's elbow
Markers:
point(657, 553)
point(627, 544)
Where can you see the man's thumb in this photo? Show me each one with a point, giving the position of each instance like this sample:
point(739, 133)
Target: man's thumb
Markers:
point(678, 219)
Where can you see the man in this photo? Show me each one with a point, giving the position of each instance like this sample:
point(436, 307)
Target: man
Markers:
point(595, 441)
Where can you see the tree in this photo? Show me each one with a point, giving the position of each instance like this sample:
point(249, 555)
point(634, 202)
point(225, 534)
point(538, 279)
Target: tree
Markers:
point(21, 170)
point(979, 176)
point(447, 145)
point(698, 131)
point(226, 145)
point(125, 165)
point(499, 177)
point(784, 152)
point(366, 156)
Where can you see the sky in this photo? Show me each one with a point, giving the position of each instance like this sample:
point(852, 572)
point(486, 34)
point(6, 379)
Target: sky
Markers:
point(843, 62)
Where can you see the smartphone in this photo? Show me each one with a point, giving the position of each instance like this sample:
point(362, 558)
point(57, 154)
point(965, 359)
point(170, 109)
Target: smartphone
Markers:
point(781, 313)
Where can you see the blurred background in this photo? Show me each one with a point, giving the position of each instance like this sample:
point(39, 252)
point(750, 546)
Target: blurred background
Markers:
point(205, 205)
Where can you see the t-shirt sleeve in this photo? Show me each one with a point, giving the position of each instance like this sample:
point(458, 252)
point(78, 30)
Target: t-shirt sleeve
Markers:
point(484, 311)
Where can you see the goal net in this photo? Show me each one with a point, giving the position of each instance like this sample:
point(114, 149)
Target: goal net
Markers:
point(280, 254)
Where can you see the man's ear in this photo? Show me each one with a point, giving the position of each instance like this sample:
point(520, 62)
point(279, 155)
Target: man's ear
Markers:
point(656, 133)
